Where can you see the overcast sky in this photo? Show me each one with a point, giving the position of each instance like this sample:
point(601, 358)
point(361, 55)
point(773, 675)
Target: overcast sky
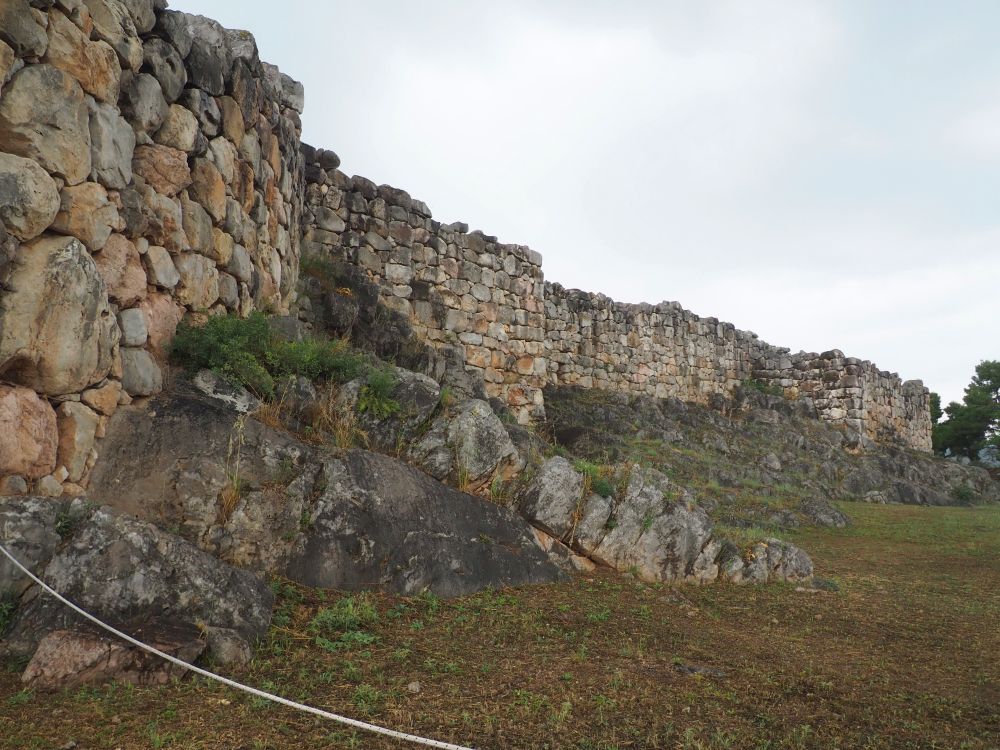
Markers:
point(826, 174)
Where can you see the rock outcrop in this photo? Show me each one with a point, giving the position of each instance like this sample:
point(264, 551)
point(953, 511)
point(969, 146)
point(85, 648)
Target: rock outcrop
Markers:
point(126, 572)
point(265, 500)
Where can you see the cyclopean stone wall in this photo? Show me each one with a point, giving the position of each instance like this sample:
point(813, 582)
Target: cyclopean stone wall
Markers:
point(664, 350)
point(520, 333)
point(456, 287)
point(149, 169)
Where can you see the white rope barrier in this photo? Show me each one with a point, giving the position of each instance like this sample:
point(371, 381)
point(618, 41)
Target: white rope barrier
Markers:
point(232, 683)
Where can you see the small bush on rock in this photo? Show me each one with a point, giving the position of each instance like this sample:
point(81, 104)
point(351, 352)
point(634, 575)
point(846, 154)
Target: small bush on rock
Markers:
point(247, 352)
point(376, 394)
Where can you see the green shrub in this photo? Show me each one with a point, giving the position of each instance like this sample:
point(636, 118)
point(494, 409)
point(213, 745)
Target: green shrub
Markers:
point(375, 397)
point(348, 614)
point(963, 493)
point(246, 352)
point(599, 477)
point(763, 387)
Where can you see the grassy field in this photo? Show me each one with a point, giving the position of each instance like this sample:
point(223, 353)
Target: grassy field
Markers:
point(906, 654)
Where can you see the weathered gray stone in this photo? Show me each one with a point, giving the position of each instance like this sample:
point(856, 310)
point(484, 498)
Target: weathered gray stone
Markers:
point(351, 521)
point(211, 58)
point(112, 144)
point(20, 30)
point(199, 284)
point(229, 291)
point(133, 326)
point(43, 116)
point(113, 24)
point(553, 497)
point(116, 566)
point(28, 528)
point(162, 61)
point(160, 268)
point(241, 265)
point(141, 376)
point(468, 443)
point(57, 332)
point(172, 25)
point(142, 102)
point(29, 199)
point(205, 109)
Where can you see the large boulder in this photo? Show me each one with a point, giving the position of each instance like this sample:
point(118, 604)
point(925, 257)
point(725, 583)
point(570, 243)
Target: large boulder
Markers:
point(261, 498)
point(20, 30)
point(29, 200)
point(43, 116)
point(554, 497)
point(86, 212)
point(93, 64)
point(57, 330)
point(28, 426)
point(381, 522)
point(112, 143)
point(135, 576)
point(468, 444)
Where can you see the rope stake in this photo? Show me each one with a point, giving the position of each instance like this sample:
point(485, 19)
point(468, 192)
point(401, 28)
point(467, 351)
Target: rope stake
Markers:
point(354, 723)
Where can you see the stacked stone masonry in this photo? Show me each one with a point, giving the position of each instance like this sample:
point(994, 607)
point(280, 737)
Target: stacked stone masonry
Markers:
point(455, 287)
point(149, 170)
point(520, 333)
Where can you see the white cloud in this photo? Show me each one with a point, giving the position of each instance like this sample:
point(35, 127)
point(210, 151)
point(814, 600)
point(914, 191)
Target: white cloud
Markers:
point(977, 133)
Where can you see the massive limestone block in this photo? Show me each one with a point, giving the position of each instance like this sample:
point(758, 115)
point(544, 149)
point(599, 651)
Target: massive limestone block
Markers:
point(57, 331)
point(112, 144)
point(172, 25)
point(142, 13)
point(208, 188)
point(121, 268)
point(163, 314)
point(163, 168)
point(141, 376)
point(211, 58)
point(94, 64)
point(199, 287)
point(142, 102)
point(180, 131)
point(43, 116)
point(164, 222)
point(28, 427)
point(165, 65)
point(160, 268)
point(20, 30)
point(86, 213)
point(113, 24)
point(29, 199)
point(77, 432)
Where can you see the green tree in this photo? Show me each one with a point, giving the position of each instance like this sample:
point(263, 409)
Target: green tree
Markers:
point(976, 421)
point(935, 408)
